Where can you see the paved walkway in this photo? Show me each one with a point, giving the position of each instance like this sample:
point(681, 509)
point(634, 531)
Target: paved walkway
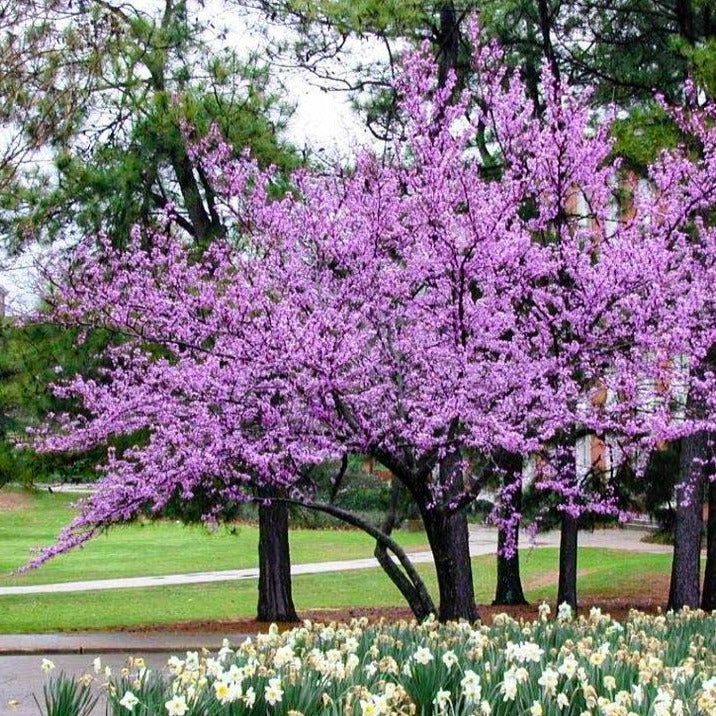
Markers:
point(482, 541)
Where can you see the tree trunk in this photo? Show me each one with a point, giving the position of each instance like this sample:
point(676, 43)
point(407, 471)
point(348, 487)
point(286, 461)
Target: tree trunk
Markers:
point(449, 539)
point(508, 590)
point(708, 597)
point(686, 564)
point(413, 595)
point(569, 535)
point(509, 583)
point(569, 530)
point(275, 599)
point(448, 41)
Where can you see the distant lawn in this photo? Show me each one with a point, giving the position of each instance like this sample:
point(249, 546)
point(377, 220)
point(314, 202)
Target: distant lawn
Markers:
point(155, 548)
point(606, 573)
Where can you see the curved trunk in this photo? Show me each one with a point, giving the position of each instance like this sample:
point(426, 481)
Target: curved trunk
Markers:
point(686, 564)
point(569, 536)
point(275, 600)
point(424, 602)
point(708, 597)
point(508, 590)
point(415, 595)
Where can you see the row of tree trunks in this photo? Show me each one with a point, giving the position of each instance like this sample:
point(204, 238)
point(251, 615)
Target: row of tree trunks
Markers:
point(449, 540)
point(448, 535)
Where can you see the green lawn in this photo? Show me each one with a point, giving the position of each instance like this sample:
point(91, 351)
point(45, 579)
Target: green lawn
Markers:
point(163, 547)
point(605, 573)
point(167, 547)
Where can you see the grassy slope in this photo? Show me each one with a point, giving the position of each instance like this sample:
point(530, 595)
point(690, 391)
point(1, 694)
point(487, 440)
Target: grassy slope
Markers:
point(165, 547)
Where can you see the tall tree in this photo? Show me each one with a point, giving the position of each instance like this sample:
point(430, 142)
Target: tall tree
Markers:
point(113, 153)
point(98, 94)
point(409, 310)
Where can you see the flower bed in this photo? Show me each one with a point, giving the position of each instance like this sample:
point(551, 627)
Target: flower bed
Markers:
point(656, 665)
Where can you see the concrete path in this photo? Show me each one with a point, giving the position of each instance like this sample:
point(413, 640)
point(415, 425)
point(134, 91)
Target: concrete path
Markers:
point(115, 642)
point(21, 657)
point(482, 542)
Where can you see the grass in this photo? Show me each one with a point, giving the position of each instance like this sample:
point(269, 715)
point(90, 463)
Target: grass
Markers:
point(166, 547)
point(605, 573)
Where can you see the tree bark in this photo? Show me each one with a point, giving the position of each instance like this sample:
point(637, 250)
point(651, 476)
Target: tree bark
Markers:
point(509, 583)
point(275, 599)
point(569, 536)
point(448, 534)
point(449, 542)
point(686, 564)
point(508, 590)
point(569, 529)
point(708, 597)
point(418, 605)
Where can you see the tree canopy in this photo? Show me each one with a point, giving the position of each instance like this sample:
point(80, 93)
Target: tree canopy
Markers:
point(414, 310)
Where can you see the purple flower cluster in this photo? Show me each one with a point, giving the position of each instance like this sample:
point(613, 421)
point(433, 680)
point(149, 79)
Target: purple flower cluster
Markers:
point(418, 308)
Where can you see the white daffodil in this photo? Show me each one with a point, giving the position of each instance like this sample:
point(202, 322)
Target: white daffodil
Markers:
point(423, 655)
point(47, 666)
point(273, 693)
point(128, 701)
point(176, 706)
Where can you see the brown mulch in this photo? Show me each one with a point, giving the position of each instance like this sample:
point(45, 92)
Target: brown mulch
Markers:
point(617, 607)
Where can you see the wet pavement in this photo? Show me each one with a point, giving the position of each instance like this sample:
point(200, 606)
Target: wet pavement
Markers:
point(21, 675)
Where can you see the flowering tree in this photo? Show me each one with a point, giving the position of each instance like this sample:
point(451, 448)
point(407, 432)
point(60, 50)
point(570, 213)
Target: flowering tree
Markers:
point(417, 309)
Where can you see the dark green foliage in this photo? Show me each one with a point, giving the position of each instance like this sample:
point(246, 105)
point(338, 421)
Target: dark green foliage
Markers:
point(643, 134)
point(66, 696)
point(31, 358)
point(131, 78)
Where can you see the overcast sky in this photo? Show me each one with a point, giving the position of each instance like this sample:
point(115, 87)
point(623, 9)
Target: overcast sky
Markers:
point(323, 120)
